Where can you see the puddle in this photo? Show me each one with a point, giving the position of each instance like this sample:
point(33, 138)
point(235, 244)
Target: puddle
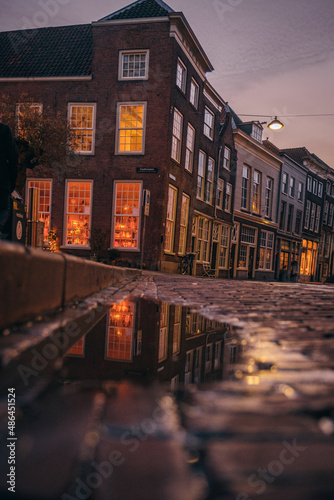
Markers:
point(145, 341)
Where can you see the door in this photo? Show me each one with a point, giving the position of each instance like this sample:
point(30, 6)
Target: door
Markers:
point(251, 262)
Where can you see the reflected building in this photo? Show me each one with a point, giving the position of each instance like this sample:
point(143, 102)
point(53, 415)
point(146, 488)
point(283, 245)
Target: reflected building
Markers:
point(146, 341)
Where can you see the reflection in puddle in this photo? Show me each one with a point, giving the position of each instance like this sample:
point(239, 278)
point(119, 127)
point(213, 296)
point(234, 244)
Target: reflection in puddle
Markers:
point(148, 341)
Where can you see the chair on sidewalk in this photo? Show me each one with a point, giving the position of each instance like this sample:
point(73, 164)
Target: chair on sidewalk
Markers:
point(210, 273)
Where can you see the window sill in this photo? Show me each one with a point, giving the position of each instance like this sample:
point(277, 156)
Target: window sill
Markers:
point(75, 247)
point(166, 252)
point(129, 153)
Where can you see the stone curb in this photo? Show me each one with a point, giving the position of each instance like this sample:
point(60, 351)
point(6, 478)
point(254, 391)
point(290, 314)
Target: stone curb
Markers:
point(35, 281)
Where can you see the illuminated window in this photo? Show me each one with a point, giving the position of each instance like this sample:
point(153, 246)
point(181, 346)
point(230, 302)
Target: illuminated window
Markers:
point(82, 122)
point(26, 114)
point(266, 250)
point(44, 202)
point(194, 93)
point(209, 181)
point(184, 224)
point(131, 128)
point(177, 330)
point(170, 219)
point(208, 123)
point(163, 335)
point(120, 332)
point(243, 256)
point(220, 193)
point(133, 65)
point(181, 76)
point(190, 148)
point(78, 213)
point(201, 175)
point(227, 158)
point(256, 192)
point(77, 349)
point(245, 188)
point(127, 197)
point(224, 247)
point(177, 136)
point(228, 197)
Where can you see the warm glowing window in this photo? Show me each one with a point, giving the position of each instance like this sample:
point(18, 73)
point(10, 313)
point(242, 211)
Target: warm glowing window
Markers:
point(163, 335)
point(243, 256)
point(190, 148)
point(184, 224)
point(201, 175)
point(194, 93)
point(133, 65)
point(26, 114)
point(131, 128)
point(181, 76)
point(126, 215)
point(82, 122)
point(44, 202)
point(256, 192)
point(120, 331)
point(77, 349)
point(209, 181)
point(208, 123)
point(78, 212)
point(170, 219)
point(227, 158)
point(177, 136)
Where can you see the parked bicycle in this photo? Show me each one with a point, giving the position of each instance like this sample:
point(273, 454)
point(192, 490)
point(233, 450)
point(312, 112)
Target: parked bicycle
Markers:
point(186, 264)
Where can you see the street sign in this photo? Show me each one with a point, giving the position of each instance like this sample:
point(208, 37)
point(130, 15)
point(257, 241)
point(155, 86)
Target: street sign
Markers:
point(147, 170)
point(147, 200)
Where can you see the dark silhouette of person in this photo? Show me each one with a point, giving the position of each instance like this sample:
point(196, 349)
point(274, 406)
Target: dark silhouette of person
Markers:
point(8, 172)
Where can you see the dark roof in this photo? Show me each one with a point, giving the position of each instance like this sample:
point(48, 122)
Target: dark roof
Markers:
point(297, 154)
point(271, 147)
point(141, 9)
point(46, 52)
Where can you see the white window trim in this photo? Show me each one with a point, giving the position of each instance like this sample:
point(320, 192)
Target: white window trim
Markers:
point(203, 177)
point(26, 193)
point(196, 85)
point(182, 251)
point(130, 103)
point(184, 82)
point(179, 152)
point(205, 124)
point(170, 250)
point(93, 104)
point(229, 209)
point(65, 244)
point(229, 158)
point(113, 215)
point(133, 52)
point(191, 151)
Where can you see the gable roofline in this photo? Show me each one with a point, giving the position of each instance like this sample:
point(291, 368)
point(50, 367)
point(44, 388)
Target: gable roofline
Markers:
point(123, 10)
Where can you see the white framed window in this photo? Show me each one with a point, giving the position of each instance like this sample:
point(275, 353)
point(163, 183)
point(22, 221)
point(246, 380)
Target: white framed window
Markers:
point(266, 250)
point(300, 195)
point(227, 158)
point(220, 193)
point(120, 332)
point(320, 189)
point(82, 117)
point(189, 161)
point(131, 122)
point(224, 247)
point(194, 93)
point(228, 197)
point(133, 65)
point(44, 187)
point(256, 192)
point(163, 335)
point(269, 197)
point(203, 235)
point(309, 184)
point(292, 187)
point(245, 188)
point(209, 180)
point(285, 183)
point(243, 256)
point(248, 235)
point(201, 175)
point(208, 123)
point(126, 215)
point(78, 213)
point(317, 219)
point(177, 135)
point(257, 132)
point(307, 214)
point(170, 219)
point(181, 76)
point(184, 223)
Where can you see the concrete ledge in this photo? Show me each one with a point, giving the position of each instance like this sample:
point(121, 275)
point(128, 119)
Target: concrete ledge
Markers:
point(34, 281)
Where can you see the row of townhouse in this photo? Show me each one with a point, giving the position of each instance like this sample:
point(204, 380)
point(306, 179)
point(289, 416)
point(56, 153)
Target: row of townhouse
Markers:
point(146, 120)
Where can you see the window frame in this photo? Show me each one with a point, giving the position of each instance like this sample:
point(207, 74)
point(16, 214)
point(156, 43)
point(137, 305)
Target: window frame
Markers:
point(209, 180)
point(224, 255)
point(184, 223)
point(292, 187)
point(210, 128)
point(183, 83)
point(189, 159)
point(307, 214)
point(118, 129)
point(227, 158)
point(200, 194)
point(300, 193)
point(267, 264)
point(66, 213)
point(114, 215)
point(256, 209)
point(195, 85)
point(69, 112)
point(170, 249)
point(228, 198)
point(177, 141)
point(134, 52)
point(309, 184)
point(27, 186)
point(269, 197)
point(220, 197)
point(245, 188)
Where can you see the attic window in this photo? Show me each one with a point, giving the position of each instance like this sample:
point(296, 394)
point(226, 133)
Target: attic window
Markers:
point(257, 132)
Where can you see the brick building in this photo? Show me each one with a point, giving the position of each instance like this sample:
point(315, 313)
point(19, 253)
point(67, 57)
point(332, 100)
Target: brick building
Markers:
point(133, 87)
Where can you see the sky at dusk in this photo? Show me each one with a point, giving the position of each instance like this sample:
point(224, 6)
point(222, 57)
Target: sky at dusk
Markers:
point(271, 57)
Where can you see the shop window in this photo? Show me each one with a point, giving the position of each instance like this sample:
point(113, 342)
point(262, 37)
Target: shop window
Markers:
point(127, 202)
point(78, 213)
